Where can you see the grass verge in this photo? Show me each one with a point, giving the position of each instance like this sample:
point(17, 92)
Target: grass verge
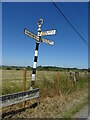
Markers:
point(75, 109)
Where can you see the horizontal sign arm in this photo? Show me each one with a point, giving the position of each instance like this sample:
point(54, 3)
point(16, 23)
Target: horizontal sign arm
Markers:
point(47, 41)
point(30, 34)
point(49, 32)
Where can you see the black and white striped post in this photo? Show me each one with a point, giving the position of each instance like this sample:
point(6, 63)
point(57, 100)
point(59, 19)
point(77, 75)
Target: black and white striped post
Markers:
point(36, 53)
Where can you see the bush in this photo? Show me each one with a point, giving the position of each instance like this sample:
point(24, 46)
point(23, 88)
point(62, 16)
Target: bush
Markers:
point(8, 68)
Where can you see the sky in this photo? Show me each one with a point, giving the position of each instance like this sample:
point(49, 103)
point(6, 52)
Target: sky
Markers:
point(69, 49)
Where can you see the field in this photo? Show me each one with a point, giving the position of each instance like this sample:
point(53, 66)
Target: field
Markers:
point(59, 94)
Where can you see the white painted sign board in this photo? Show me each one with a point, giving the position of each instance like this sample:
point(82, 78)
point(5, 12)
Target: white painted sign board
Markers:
point(47, 41)
point(50, 32)
point(30, 34)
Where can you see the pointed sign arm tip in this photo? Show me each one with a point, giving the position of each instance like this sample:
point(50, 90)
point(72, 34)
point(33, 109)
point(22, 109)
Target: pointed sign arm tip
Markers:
point(24, 30)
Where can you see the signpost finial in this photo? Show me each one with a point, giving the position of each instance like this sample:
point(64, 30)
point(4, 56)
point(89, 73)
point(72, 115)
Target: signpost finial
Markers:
point(40, 22)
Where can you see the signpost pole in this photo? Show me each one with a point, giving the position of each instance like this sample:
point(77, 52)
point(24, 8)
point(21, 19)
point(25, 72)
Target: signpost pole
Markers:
point(36, 54)
point(34, 66)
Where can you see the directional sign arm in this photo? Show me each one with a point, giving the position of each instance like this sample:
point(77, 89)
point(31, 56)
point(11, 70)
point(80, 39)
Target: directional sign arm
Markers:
point(49, 32)
point(30, 34)
point(47, 41)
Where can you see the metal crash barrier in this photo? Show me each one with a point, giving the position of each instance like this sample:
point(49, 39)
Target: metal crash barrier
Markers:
point(15, 98)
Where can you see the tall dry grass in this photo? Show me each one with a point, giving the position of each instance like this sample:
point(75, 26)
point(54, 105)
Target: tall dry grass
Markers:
point(47, 81)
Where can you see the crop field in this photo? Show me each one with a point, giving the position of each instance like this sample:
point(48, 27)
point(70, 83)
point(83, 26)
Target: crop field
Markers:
point(59, 94)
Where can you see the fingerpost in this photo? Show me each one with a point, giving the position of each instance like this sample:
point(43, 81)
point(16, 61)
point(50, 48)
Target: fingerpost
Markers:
point(38, 38)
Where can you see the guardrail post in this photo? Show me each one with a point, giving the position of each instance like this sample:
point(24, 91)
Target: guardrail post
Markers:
point(38, 101)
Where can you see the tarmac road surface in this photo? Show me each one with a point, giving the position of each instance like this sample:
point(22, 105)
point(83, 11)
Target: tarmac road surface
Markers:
point(82, 113)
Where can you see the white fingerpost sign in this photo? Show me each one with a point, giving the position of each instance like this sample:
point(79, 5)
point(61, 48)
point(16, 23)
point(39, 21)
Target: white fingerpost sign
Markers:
point(38, 38)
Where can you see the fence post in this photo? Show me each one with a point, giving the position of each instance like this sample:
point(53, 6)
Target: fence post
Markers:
point(24, 83)
point(24, 79)
point(59, 83)
point(85, 74)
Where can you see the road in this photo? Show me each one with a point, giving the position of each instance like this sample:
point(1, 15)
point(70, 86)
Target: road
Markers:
point(82, 113)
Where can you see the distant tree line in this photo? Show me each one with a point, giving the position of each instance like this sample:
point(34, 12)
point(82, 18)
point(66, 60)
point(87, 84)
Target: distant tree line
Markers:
point(43, 68)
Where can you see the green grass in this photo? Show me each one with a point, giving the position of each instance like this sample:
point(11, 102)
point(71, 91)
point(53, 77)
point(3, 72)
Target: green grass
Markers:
point(75, 109)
